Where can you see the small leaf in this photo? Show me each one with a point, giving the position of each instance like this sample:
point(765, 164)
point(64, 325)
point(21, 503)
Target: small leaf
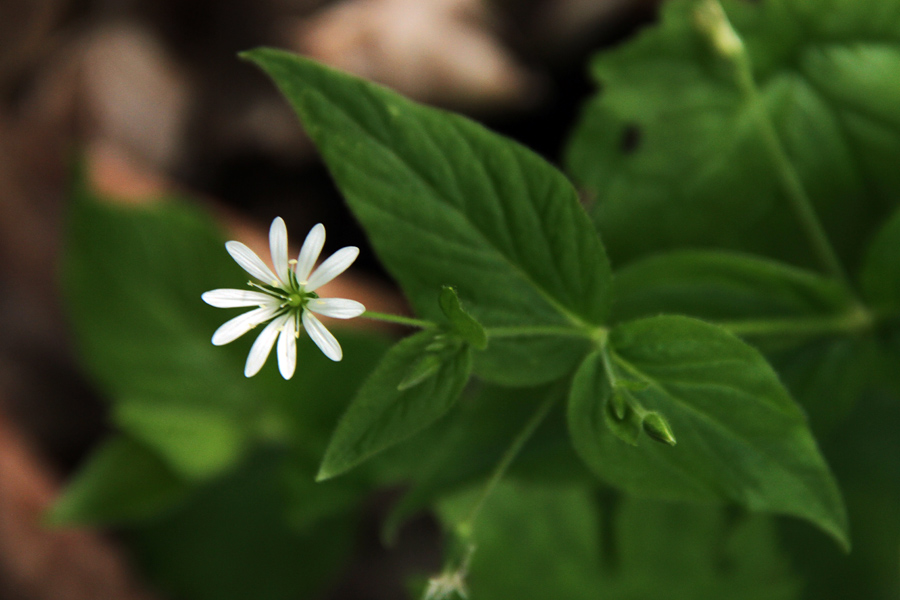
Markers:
point(382, 415)
point(740, 436)
point(123, 481)
point(446, 202)
point(462, 322)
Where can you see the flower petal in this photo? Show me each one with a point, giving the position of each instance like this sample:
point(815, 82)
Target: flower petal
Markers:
point(287, 348)
point(241, 324)
point(322, 337)
point(237, 298)
point(251, 263)
point(261, 348)
point(310, 251)
point(278, 246)
point(336, 264)
point(336, 308)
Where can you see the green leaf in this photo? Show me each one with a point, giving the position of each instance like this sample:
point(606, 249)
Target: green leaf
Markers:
point(865, 454)
point(133, 278)
point(880, 278)
point(829, 376)
point(561, 558)
point(674, 153)
point(740, 436)
point(198, 442)
point(446, 202)
point(583, 545)
point(462, 322)
point(382, 415)
point(721, 286)
point(123, 481)
point(464, 449)
point(232, 541)
point(670, 550)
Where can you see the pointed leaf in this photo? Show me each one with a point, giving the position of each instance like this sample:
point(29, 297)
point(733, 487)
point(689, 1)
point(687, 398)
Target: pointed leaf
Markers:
point(444, 201)
point(382, 414)
point(740, 436)
point(462, 322)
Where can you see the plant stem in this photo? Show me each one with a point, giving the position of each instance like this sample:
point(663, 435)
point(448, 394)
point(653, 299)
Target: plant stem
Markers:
point(400, 320)
point(727, 40)
point(464, 528)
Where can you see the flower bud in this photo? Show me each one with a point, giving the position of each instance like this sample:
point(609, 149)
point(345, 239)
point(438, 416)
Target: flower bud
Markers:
point(656, 426)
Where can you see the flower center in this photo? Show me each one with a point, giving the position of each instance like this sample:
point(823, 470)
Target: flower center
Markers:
point(296, 300)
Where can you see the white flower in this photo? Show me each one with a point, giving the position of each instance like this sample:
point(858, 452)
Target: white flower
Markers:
point(286, 298)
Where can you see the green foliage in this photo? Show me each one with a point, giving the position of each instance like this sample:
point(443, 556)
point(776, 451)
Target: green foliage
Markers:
point(880, 277)
point(724, 286)
point(233, 541)
point(446, 202)
point(726, 165)
point(740, 437)
point(677, 154)
point(387, 409)
point(573, 543)
point(123, 481)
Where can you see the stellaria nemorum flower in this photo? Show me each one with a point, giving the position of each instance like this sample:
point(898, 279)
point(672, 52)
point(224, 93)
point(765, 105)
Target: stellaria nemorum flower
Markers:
point(285, 298)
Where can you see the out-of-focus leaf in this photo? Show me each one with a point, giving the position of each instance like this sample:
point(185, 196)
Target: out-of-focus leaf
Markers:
point(568, 542)
point(674, 153)
point(234, 541)
point(122, 481)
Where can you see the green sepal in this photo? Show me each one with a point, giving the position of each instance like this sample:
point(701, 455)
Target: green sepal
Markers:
point(621, 418)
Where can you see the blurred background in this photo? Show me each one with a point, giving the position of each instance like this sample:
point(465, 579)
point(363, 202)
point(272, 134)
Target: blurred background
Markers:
point(152, 93)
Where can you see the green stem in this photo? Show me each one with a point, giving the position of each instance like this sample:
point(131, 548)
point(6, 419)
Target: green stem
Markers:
point(465, 527)
point(796, 193)
point(856, 320)
point(400, 320)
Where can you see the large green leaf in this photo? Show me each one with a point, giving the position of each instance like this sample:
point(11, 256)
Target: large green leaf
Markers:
point(446, 202)
point(385, 412)
point(133, 277)
point(674, 153)
point(739, 435)
point(723, 286)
